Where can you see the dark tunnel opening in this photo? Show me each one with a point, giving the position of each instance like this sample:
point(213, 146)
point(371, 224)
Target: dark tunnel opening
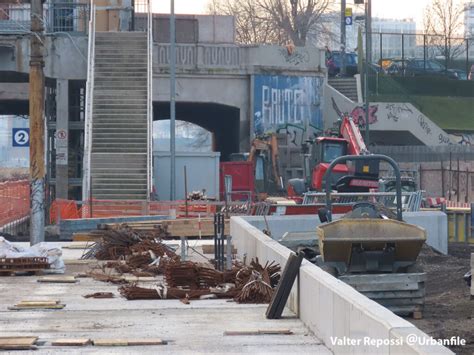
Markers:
point(221, 120)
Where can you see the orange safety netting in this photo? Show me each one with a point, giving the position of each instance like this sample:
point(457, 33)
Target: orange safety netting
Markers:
point(14, 201)
point(63, 209)
point(68, 209)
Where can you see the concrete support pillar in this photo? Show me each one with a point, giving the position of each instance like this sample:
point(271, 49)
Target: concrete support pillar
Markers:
point(245, 130)
point(62, 138)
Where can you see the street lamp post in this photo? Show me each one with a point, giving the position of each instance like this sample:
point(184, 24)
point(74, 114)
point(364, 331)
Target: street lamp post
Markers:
point(172, 103)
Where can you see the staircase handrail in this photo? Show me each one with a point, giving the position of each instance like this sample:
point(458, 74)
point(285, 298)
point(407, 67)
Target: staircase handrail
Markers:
point(149, 99)
point(89, 105)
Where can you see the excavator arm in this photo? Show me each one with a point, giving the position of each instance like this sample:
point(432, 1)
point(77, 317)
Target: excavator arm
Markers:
point(350, 132)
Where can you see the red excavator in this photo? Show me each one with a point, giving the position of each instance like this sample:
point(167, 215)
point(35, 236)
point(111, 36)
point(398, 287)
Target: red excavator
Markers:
point(357, 176)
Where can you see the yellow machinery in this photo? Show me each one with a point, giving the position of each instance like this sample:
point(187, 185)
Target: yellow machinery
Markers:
point(368, 245)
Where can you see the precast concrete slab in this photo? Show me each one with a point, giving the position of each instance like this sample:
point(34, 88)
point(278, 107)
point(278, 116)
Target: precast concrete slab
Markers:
point(435, 223)
point(346, 320)
point(197, 328)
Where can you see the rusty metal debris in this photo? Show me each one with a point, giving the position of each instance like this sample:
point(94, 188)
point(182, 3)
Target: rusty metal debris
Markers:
point(100, 295)
point(12, 265)
point(190, 280)
point(256, 283)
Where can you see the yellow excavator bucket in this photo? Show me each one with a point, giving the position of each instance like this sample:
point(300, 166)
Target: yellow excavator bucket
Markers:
point(337, 239)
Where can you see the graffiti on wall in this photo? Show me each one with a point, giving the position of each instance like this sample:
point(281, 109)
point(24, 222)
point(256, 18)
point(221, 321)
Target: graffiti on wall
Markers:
point(295, 56)
point(462, 138)
point(286, 101)
point(358, 113)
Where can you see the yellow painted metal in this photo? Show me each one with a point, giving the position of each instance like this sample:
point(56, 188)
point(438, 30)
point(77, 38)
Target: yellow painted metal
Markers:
point(336, 238)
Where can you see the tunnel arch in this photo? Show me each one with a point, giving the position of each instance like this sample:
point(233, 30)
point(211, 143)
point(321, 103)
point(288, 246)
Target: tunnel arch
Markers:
point(221, 120)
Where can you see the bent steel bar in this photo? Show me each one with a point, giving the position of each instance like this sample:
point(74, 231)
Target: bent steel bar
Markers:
point(379, 157)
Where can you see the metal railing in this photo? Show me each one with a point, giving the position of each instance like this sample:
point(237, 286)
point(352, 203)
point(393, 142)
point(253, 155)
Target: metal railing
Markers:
point(411, 201)
point(86, 183)
point(66, 17)
point(419, 154)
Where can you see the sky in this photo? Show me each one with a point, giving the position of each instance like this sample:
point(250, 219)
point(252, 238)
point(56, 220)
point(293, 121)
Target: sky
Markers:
point(380, 8)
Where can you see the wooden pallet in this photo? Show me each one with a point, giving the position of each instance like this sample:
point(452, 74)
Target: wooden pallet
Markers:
point(176, 227)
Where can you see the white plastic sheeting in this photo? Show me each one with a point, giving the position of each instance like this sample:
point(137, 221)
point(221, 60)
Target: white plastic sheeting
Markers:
point(46, 250)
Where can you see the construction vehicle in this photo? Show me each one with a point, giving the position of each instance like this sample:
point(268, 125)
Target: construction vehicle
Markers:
point(360, 176)
point(264, 157)
point(372, 249)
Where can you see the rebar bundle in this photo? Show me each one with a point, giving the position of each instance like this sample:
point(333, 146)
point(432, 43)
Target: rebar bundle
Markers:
point(257, 290)
point(133, 292)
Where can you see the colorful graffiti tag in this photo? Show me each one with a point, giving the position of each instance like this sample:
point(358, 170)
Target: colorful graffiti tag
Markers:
point(358, 113)
point(281, 101)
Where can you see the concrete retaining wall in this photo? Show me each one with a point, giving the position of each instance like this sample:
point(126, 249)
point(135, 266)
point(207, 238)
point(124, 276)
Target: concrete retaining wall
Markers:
point(329, 307)
point(435, 223)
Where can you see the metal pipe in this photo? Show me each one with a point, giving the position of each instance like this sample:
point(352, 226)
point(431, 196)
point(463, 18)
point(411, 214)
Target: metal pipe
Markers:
point(229, 252)
point(172, 103)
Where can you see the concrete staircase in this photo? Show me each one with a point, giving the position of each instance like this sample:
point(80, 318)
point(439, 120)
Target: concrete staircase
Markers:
point(119, 117)
point(346, 86)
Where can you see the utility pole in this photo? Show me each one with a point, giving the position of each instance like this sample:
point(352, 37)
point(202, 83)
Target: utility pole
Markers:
point(36, 87)
point(172, 103)
point(366, 79)
point(369, 29)
point(343, 37)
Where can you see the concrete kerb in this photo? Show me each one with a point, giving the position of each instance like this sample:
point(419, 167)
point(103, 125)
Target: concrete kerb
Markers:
point(330, 308)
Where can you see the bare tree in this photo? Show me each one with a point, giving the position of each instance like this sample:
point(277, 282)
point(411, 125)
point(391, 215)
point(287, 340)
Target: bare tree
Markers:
point(274, 21)
point(444, 21)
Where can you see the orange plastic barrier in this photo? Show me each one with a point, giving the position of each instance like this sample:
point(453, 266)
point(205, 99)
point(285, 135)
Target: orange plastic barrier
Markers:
point(67, 209)
point(14, 201)
point(63, 209)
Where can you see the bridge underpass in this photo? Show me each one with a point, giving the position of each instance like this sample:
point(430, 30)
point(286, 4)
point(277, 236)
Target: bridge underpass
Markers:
point(221, 120)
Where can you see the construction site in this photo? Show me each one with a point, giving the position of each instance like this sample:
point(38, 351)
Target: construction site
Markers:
point(169, 189)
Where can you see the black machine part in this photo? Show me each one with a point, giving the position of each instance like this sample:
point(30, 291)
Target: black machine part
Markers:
point(367, 158)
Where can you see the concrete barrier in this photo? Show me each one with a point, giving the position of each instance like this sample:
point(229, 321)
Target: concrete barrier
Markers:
point(344, 319)
point(435, 223)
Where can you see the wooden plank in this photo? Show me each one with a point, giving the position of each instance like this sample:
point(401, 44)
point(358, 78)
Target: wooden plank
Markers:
point(17, 343)
point(150, 341)
point(86, 238)
point(259, 332)
point(177, 227)
point(21, 308)
point(58, 279)
point(71, 342)
point(209, 249)
point(38, 303)
point(110, 342)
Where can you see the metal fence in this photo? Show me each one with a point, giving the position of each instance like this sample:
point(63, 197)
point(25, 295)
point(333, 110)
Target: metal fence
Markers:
point(421, 154)
point(411, 54)
point(67, 17)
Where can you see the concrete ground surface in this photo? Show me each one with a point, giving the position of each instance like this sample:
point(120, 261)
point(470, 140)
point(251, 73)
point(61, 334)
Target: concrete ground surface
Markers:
point(194, 328)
